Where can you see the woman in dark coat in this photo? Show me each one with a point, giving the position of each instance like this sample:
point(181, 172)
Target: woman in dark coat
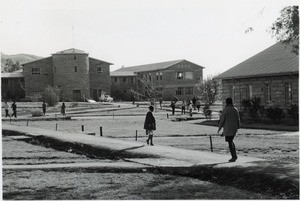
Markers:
point(150, 125)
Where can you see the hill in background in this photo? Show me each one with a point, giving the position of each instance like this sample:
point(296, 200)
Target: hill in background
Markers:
point(10, 63)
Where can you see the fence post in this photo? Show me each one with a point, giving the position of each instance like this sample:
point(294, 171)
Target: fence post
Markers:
point(211, 145)
point(168, 115)
point(82, 128)
point(56, 127)
point(136, 135)
point(100, 130)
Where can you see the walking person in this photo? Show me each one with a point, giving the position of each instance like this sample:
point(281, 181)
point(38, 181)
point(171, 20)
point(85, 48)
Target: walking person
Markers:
point(14, 108)
point(183, 107)
point(194, 103)
point(6, 108)
point(188, 104)
point(44, 106)
point(173, 107)
point(198, 104)
point(63, 109)
point(150, 125)
point(230, 122)
point(160, 103)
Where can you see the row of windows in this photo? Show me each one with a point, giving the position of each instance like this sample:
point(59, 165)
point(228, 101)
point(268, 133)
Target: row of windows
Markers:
point(187, 90)
point(266, 91)
point(124, 80)
point(36, 71)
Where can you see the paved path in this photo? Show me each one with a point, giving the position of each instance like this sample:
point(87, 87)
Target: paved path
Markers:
point(164, 156)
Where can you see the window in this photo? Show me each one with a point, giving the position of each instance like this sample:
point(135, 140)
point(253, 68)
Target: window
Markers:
point(188, 75)
point(249, 91)
point(179, 75)
point(179, 91)
point(75, 69)
point(74, 56)
point(99, 70)
point(35, 71)
point(124, 80)
point(116, 80)
point(189, 90)
point(288, 92)
point(149, 76)
point(157, 76)
point(267, 93)
point(160, 75)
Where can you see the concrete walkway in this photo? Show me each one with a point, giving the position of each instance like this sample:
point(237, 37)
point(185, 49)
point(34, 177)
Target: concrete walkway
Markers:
point(164, 156)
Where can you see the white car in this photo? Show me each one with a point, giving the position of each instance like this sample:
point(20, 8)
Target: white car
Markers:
point(106, 98)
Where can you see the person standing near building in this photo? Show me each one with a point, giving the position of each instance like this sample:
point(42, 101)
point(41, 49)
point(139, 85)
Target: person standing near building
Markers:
point(6, 108)
point(63, 109)
point(44, 106)
point(194, 102)
point(198, 104)
point(230, 122)
point(183, 107)
point(173, 107)
point(150, 125)
point(14, 108)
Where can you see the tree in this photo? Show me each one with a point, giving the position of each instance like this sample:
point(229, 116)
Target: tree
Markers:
point(51, 95)
point(209, 90)
point(286, 27)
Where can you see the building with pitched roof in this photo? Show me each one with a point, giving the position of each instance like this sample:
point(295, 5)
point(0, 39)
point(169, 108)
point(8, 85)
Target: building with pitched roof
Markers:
point(76, 75)
point(172, 78)
point(272, 75)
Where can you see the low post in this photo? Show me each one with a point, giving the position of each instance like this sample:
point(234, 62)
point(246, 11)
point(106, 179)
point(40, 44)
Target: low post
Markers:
point(56, 127)
point(136, 135)
point(82, 128)
point(101, 131)
point(168, 115)
point(211, 145)
point(27, 122)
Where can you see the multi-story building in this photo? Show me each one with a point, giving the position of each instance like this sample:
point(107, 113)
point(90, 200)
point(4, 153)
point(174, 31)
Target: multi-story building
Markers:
point(72, 71)
point(173, 79)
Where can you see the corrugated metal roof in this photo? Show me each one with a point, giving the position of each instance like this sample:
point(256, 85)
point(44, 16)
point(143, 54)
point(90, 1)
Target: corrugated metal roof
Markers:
point(71, 51)
point(277, 59)
point(12, 75)
point(132, 70)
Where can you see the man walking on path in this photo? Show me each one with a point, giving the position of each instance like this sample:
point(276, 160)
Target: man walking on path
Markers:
point(173, 107)
point(63, 109)
point(150, 125)
point(44, 106)
point(230, 121)
point(14, 107)
point(6, 107)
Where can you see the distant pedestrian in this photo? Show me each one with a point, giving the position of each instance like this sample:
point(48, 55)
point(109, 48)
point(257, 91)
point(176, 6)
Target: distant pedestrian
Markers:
point(150, 125)
point(198, 104)
point(194, 103)
point(160, 103)
point(44, 106)
point(173, 107)
point(14, 108)
point(63, 109)
point(188, 104)
point(6, 108)
point(183, 107)
point(230, 121)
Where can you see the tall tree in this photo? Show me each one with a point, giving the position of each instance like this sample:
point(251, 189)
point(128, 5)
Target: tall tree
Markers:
point(286, 27)
point(209, 90)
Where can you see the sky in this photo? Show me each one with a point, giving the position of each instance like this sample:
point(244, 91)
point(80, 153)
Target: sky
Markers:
point(210, 33)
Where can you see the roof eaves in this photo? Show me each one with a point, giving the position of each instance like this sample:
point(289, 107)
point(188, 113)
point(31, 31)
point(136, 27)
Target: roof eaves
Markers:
point(101, 61)
point(255, 76)
point(34, 61)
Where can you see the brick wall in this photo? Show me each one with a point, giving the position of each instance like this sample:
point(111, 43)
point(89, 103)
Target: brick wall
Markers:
point(36, 83)
point(99, 78)
point(71, 73)
point(277, 89)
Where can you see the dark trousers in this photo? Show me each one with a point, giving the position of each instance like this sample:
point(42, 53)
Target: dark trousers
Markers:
point(231, 145)
point(183, 110)
point(14, 113)
point(6, 113)
point(173, 110)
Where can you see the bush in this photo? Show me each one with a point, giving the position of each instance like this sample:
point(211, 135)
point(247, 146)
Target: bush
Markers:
point(207, 112)
point(37, 113)
point(253, 108)
point(294, 112)
point(275, 114)
point(51, 95)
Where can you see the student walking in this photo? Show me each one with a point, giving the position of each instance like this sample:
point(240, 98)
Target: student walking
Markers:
point(183, 107)
point(6, 108)
point(173, 107)
point(194, 103)
point(44, 106)
point(14, 108)
point(63, 109)
point(198, 104)
point(150, 125)
point(230, 122)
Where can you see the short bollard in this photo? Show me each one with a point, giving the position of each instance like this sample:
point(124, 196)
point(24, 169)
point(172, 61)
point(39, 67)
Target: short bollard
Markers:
point(101, 131)
point(211, 145)
point(168, 115)
point(136, 135)
point(82, 128)
point(56, 127)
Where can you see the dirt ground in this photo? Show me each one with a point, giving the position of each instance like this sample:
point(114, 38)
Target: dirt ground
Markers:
point(86, 185)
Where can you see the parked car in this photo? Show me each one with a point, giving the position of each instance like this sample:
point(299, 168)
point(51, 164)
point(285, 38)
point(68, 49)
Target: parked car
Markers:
point(106, 98)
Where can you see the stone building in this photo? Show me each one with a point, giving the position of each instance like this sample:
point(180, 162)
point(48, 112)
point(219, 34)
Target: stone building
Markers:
point(272, 75)
point(76, 75)
point(173, 79)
